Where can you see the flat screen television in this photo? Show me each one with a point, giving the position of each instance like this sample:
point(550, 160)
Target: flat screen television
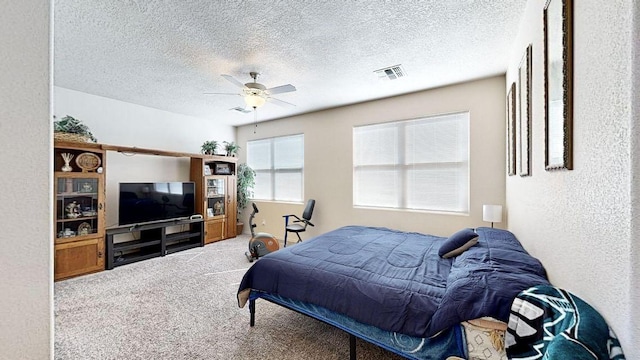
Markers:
point(154, 201)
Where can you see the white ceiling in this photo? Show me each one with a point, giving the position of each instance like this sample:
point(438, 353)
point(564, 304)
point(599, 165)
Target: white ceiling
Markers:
point(166, 54)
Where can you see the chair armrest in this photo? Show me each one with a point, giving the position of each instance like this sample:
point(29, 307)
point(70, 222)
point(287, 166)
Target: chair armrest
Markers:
point(286, 219)
point(286, 216)
point(303, 221)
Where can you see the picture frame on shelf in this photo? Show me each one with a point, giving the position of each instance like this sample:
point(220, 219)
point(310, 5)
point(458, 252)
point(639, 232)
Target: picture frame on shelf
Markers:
point(210, 212)
point(511, 130)
point(221, 169)
point(558, 84)
point(524, 113)
point(207, 170)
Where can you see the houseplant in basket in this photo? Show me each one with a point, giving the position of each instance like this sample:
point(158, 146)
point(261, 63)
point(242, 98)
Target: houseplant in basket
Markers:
point(72, 129)
point(246, 180)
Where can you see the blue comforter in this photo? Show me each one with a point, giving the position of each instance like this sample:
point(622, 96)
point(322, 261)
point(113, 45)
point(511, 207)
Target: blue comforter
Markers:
point(395, 280)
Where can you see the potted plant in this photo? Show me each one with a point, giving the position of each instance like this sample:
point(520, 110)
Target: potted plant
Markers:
point(209, 147)
point(245, 182)
point(72, 129)
point(231, 148)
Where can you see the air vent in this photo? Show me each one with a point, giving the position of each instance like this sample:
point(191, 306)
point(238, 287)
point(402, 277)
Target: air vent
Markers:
point(241, 109)
point(390, 73)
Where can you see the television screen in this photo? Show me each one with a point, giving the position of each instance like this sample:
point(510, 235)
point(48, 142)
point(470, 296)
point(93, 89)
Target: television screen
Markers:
point(144, 202)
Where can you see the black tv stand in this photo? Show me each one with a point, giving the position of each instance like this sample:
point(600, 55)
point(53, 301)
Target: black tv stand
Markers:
point(152, 240)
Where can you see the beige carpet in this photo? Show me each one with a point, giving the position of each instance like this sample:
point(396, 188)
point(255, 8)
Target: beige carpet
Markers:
point(183, 306)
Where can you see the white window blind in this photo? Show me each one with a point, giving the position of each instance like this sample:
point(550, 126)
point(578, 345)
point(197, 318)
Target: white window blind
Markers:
point(279, 164)
point(420, 164)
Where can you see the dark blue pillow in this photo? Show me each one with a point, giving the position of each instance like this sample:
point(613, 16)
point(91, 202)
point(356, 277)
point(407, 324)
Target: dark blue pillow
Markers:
point(457, 243)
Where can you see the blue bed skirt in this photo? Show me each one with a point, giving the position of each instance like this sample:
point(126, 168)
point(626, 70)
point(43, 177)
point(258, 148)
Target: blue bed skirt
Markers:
point(450, 342)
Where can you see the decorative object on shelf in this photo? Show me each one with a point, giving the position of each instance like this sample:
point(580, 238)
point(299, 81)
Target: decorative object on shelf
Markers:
point(558, 84)
point(67, 159)
point(244, 191)
point(86, 187)
point(221, 169)
point(69, 185)
point(71, 129)
point(207, 170)
point(89, 213)
point(84, 228)
point(231, 148)
point(492, 213)
point(99, 170)
point(217, 208)
point(72, 210)
point(209, 147)
point(88, 161)
point(209, 212)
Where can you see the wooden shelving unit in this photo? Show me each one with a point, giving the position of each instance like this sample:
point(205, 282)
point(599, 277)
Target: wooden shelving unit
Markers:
point(217, 193)
point(79, 196)
point(80, 240)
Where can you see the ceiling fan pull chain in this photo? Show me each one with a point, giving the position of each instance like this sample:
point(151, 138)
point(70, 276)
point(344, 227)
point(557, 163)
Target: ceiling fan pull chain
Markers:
point(255, 119)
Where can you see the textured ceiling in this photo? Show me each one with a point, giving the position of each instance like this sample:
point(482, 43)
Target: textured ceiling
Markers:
point(166, 54)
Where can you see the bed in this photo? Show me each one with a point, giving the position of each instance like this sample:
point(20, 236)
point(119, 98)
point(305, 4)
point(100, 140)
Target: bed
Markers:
point(393, 289)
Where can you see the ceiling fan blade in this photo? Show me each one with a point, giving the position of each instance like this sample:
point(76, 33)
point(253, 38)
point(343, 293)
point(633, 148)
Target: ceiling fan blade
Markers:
point(279, 102)
point(212, 93)
point(233, 80)
point(244, 110)
point(281, 89)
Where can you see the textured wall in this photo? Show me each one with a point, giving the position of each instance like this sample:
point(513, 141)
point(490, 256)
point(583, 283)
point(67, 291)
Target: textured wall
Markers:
point(116, 122)
point(329, 153)
point(25, 200)
point(578, 222)
point(634, 326)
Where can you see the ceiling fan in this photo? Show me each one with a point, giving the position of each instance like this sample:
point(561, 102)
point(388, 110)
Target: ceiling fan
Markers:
point(255, 94)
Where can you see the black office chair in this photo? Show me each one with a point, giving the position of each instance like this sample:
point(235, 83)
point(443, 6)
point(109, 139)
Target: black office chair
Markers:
point(299, 225)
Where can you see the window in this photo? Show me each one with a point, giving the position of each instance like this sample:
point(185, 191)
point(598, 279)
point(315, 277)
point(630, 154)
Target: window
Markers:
point(278, 163)
point(420, 164)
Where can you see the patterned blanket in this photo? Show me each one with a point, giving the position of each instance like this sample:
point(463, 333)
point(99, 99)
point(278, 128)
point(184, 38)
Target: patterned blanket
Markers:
point(550, 323)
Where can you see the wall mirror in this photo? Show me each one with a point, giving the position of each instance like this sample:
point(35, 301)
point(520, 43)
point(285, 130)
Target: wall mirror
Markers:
point(558, 84)
point(511, 130)
point(524, 111)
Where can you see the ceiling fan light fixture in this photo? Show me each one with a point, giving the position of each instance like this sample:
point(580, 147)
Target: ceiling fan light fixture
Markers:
point(255, 101)
point(255, 94)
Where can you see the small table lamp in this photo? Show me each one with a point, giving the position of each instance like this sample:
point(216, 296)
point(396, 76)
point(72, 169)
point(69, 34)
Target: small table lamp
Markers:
point(492, 213)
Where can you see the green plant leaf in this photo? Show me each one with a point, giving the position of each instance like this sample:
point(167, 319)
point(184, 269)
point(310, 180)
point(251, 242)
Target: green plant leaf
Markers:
point(245, 183)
